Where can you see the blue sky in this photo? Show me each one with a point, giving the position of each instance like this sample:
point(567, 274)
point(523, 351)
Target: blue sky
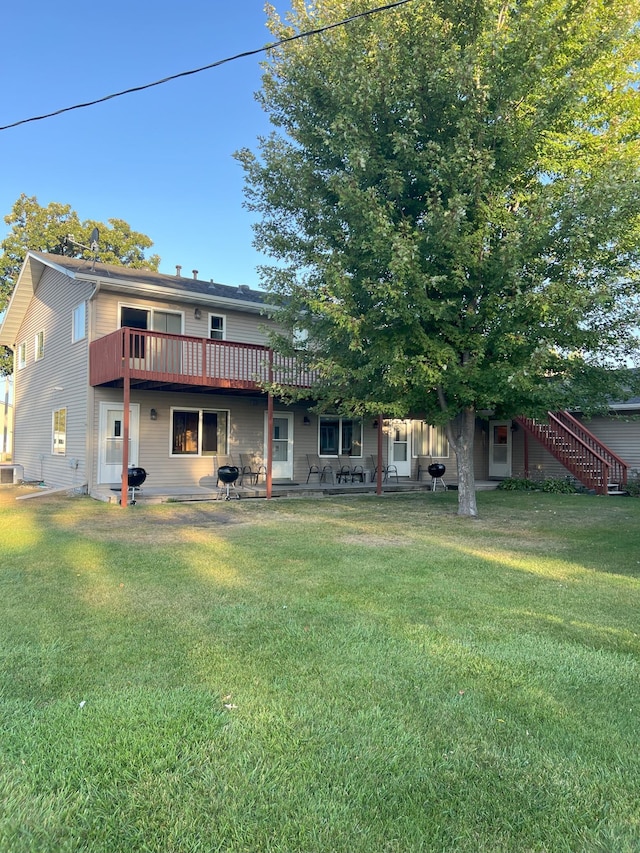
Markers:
point(160, 159)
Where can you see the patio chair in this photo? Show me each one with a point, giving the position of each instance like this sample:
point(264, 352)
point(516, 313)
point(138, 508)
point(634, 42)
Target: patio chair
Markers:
point(387, 470)
point(319, 468)
point(349, 471)
point(250, 469)
point(423, 465)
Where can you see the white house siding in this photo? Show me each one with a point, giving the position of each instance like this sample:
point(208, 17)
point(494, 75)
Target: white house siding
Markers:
point(246, 328)
point(58, 380)
point(621, 434)
point(247, 419)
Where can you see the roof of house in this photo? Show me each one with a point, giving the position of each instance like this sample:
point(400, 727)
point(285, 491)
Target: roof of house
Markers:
point(180, 284)
point(125, 279)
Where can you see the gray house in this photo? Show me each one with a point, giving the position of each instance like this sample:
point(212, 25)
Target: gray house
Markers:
point(117, 366)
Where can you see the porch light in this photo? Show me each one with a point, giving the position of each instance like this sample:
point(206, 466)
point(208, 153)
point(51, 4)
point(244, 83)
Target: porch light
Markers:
point(306, 420)
point(197, 313)
point(153, 414)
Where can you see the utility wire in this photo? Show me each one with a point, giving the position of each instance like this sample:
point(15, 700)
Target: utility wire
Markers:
point(246, 53)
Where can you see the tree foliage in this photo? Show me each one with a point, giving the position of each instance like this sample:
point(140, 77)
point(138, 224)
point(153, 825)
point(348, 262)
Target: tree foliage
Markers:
point(44, 229)
point(452, 200)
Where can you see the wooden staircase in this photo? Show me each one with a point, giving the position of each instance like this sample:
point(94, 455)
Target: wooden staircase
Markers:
point(585, 456)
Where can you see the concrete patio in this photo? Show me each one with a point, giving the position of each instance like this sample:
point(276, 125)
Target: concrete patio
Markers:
point(210, 492)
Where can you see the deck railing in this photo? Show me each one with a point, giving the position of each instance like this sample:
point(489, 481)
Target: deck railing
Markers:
point(183, 360)
point(581, 452)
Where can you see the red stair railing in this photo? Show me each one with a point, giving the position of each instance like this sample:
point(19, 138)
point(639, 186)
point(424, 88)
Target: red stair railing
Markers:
point(580, 451)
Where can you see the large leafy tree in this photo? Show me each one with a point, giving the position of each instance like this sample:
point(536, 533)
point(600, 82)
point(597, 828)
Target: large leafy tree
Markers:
point(45, 229)
point(452, 200)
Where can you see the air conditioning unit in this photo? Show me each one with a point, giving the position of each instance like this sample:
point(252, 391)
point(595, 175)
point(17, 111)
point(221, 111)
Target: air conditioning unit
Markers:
point(11, 473)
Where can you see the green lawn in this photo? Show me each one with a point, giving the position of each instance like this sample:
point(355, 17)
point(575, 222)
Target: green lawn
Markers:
point(348, 675)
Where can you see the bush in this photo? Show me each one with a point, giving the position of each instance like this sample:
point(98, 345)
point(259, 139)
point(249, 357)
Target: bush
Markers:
point(633, 487)
point(517, 484)
point(555, 485)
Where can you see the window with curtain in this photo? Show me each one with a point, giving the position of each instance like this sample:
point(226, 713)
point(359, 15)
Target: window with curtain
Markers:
point(429, 440)
point(339, 436)
point(199, 432)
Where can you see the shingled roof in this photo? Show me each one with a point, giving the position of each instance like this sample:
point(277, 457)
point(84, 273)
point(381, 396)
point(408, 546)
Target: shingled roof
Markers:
point(180, 284)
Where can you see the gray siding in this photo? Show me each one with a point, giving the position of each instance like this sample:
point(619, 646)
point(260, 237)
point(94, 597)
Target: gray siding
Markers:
point(58, 380)
point(243, 328)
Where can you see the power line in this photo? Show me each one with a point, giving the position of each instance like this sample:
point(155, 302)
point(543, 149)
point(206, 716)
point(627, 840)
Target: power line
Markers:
point(219, 62)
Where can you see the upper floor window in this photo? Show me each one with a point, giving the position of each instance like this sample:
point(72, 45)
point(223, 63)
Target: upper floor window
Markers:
point(59, 432)
point(22, 355)
point(38, 346)
point(340, 436)
point(79, 322)
point(151, 319)
point(217, 327)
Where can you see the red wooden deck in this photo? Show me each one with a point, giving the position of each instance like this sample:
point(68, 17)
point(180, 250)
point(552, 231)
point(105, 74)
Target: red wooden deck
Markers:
point(181, 360)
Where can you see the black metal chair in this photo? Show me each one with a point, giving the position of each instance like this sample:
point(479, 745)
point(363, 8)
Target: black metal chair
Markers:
point(387, 470)
point(250, 469)
point(349, 471)
point(318, 468)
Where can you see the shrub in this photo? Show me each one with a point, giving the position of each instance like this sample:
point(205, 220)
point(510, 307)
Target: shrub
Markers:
point(555, 485)
point(518, 484)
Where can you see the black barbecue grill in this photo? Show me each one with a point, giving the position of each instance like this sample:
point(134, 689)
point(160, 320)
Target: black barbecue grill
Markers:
point(437, 469)
point(227, 475)
point(135, 478)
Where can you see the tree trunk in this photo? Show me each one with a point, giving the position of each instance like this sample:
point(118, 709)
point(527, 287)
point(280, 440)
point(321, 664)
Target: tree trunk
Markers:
point(461, 434)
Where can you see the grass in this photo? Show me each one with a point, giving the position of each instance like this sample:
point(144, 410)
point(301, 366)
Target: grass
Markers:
point(364, 675)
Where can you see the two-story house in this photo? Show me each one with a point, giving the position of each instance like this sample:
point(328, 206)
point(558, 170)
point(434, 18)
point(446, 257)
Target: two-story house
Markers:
point(117, 366)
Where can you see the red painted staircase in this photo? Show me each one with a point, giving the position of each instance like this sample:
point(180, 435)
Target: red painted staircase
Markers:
point(585, 456)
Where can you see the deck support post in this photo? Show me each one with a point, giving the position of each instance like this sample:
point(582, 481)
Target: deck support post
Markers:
point(269, 483)
point(126, 402)
point(379, 460)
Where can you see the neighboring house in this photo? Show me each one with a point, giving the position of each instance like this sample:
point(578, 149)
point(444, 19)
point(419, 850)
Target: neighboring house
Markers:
point(189, 356)
point(6, 418)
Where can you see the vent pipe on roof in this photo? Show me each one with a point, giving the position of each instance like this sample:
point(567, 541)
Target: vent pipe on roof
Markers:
point(195, 274)
point(178, 270)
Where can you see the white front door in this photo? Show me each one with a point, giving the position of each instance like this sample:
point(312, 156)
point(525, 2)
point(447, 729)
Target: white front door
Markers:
point(111, 440)
point(400, 446)
point(499, 448)
point(282, 446)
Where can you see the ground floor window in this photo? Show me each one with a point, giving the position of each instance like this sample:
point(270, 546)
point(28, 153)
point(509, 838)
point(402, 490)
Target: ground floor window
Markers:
point(199, 432)
point(59, 436)
point(340, 436)
point(429, 440)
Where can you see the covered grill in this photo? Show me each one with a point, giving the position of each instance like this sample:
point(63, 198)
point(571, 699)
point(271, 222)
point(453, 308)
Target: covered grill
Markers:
point(135, 478)
point(227, 475)
point(437, 469)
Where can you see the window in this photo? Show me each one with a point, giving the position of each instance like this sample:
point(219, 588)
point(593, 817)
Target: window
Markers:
point(22, 355)
point(38, 346)
point(340, 436)
point(217, 327)
point(198, 432)
point(429, 440)
point(59, 437)
point(155, 320)
point(79, 322)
